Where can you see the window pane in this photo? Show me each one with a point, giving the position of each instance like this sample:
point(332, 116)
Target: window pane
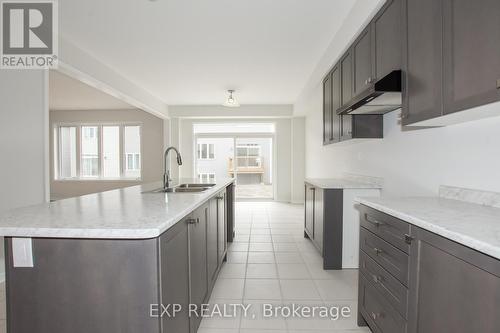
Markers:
point(211, 153)
point(90, 151)
point(132, 146)
point(111, 151)
point(67, 152)
point(204, 152)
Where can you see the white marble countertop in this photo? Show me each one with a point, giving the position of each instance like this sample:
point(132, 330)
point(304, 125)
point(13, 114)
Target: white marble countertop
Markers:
point(126, 213)
point(344, 183)
point(473, 225)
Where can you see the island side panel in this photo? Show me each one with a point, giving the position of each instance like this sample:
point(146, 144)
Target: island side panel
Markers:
point(84, 285)
point(230, 211)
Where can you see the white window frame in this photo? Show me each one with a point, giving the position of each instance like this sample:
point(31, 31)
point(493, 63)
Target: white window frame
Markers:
point(100, 177)
point(206, 176)
point(208, 144)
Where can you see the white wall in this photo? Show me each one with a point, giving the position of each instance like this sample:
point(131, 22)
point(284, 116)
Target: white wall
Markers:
point(412, 162)
point(152, 142)
point(23, 140)
point(298, 159)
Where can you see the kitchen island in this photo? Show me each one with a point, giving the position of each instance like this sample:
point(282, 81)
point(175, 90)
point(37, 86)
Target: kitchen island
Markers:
point(106, 262)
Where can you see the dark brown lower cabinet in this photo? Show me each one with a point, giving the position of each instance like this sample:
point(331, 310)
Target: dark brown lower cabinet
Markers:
point(453, 289)
point(112, 285)
point(450, 287)
point(323, 223)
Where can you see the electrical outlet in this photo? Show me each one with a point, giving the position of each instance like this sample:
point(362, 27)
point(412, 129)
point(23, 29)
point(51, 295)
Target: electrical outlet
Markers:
point(22, 252)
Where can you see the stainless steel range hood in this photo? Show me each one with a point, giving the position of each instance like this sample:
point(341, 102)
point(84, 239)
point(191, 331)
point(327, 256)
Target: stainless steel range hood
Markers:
point(382, 97)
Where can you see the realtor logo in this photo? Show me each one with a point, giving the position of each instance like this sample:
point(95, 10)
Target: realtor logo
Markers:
point(29, 34)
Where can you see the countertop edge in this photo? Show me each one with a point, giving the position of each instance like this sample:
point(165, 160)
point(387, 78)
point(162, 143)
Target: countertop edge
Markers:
point(112, 233)
point(462, 239)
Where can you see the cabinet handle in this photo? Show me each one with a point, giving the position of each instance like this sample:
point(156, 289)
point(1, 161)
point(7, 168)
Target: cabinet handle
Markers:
point(375, 316)
point(377, 251)
point(408, 239)
point(374, 222)
point(312, 189)
point(220, 197)
point(192, 221)
point(377, 278)
point(498, 84)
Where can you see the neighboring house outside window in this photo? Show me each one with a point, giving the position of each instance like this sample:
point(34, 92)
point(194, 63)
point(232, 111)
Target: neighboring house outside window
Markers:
point(97, 151)
point(206, 176)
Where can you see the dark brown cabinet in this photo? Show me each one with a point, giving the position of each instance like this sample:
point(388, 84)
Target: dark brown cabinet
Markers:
point(451, 58)
point(387, 39)
point(471, 53)
point(336, 103)
point(197, 227)
point(362, 53)
point(346, 78)
point(327, 109)
point(454, 289)
point(422, 60)
point(324, 223)
point(175, 275)
point(412, 280)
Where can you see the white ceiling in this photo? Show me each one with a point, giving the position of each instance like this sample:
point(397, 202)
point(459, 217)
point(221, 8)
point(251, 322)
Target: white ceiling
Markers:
point(66, 93)
point(192, 51)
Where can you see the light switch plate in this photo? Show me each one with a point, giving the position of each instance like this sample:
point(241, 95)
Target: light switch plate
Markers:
point(22, 252)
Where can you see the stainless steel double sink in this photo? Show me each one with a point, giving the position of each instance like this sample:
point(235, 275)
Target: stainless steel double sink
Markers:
point(184, 188)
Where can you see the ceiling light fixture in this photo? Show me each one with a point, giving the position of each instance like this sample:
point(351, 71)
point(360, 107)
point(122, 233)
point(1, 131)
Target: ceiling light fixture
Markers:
point(231, 101)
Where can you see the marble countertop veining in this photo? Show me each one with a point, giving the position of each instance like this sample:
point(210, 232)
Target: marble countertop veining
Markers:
point(126, 213)
point(346, 182)
point(473, 225)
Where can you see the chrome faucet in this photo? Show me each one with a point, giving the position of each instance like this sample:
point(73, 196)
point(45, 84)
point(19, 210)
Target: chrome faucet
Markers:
point(166, 175)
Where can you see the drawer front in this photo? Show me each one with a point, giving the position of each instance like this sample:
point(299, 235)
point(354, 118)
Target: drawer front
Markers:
point(386, 227)
point(392, 259)
point(377, 311)
point(392, 290)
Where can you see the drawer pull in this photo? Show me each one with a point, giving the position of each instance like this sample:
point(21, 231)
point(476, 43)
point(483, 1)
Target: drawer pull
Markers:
point(408, 239)
point(191, 221)
point(375, 316)
point(377, 278)
point(374, 222)
point(377, 251)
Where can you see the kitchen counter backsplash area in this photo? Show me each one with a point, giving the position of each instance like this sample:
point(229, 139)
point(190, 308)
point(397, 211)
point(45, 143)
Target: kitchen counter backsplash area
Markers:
point(479, 197)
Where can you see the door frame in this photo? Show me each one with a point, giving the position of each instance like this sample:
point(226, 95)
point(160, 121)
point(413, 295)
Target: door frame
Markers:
point(235, 137)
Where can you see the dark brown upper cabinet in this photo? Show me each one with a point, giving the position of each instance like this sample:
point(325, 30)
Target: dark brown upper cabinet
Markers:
point(327, 109)
point(362, 53)
point(451, 57)
point(387, 39)
point(471, 53)
point(336, 103)
point(346, 77)
point(422, 60)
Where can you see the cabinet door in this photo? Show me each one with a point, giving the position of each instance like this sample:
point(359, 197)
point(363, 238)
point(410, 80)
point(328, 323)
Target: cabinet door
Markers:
point(212, 242)
point(327, 109)
point(346, 127)
point(309, 210)
point(471, 53)
point(336, 103)
point(362, 64)
point(221, 226)
point(346, 77)
point(318, 219)
point(387, 35)
point(422, 60)
point(198, 260)
point(453, 289)
point(175, 275)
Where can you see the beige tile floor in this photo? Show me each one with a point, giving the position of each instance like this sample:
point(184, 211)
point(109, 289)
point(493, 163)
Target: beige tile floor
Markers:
point(271, 262)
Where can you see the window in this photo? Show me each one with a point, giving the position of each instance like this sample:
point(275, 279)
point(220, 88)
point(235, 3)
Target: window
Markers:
point(249, 156)
point(97, 152)
point(206, 176)
point(206, 151)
